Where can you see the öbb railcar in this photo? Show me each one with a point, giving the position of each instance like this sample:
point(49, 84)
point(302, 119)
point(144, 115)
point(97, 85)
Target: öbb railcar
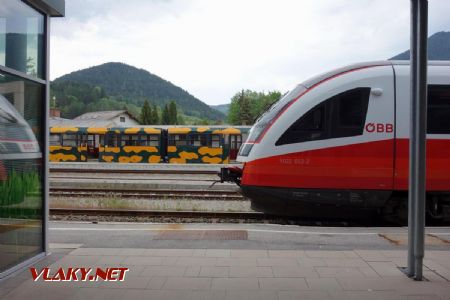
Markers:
point(338, 143)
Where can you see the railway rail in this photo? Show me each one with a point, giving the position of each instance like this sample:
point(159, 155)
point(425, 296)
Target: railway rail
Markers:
point(135, 213)
point(174, 216)
point(150, 194)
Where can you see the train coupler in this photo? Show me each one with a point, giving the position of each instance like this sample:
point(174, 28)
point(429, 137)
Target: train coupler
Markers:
point(230, 174)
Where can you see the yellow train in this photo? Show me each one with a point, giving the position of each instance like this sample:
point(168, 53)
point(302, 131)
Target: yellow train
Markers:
point(146, 144)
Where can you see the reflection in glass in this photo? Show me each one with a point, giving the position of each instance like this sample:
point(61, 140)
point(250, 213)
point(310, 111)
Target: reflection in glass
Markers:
point(21, 38)
point(21, 197)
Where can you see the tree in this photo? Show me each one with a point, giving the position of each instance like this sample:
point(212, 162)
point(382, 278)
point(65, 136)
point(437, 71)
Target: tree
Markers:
point(165, 117)
point(146, 114)
point(155, 116)
point(173, 113)
point(245, 110)
point(247, 105)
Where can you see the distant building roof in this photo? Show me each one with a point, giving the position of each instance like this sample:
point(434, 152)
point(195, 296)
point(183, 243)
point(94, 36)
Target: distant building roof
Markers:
point(93, 119)
point(101, 115)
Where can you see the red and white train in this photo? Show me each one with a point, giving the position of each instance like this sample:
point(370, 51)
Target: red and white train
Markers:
point(338, 143)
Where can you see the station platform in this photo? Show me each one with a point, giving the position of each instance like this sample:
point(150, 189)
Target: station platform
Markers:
point(237, 261)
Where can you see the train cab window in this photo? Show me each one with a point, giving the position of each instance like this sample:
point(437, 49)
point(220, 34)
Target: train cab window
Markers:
point(310, 127)
point(70, 139)
point(343, 115)
point(55, 140)
point(438, 120)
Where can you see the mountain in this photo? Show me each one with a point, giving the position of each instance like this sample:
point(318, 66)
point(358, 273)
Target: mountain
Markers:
point(128, 85)
point(438, 48)
point(223, 108)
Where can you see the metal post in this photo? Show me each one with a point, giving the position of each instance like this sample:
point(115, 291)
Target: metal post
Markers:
point(417, 142)
point(412, 149)
point(420, 137)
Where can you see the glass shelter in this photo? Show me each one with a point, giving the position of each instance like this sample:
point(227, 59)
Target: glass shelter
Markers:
point(24, 88)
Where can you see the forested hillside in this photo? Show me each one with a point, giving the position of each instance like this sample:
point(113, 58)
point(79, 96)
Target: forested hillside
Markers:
point(114, 85)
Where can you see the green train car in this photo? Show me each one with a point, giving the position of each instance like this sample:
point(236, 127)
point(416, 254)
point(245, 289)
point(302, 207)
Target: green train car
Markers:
point(131, 145)
point(70, 144)
point(145, 144)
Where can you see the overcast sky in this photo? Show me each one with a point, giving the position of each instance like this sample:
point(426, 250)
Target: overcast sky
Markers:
point(214, 48)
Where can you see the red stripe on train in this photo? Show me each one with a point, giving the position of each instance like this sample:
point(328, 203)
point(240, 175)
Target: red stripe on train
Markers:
point(358, 166)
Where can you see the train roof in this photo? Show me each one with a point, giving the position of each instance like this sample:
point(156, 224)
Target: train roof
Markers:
point(152, 129)
point(321, 77)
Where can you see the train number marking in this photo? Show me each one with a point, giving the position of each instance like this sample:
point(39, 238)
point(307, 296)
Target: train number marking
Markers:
point(379, 127)
point(295, 161)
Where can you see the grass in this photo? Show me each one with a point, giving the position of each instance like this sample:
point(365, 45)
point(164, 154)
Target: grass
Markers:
point(20, 195)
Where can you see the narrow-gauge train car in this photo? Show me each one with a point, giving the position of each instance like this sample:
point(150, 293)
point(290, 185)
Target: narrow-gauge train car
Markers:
point(74, 143)
point(132, 145)
point(211, 145)
point(338, 143)
point(195, 145)
point(170, 144)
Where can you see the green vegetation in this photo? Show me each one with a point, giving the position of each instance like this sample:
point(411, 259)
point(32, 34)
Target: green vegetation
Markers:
point(246, 106)
point(17, 186)
point(21, 196)
point(74, 99)
point(149, 114)
point(111, 86)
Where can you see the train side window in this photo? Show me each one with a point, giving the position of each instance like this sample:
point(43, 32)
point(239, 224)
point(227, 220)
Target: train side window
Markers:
point(113, 140)
point(178, 140)
point(215, 141)
point(70, 139)
point(349, 112)
point(55, 140)
point(153, 140)
point(438, 120)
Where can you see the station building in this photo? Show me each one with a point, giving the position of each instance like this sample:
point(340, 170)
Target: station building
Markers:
point(24, 94)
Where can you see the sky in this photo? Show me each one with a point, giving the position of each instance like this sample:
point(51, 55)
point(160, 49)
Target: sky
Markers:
point(215, 48)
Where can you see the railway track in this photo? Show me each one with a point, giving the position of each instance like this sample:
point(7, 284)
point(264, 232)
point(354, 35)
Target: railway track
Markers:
point(54, 171)
point(175, 216)
point(150, 194)
point(135, 213)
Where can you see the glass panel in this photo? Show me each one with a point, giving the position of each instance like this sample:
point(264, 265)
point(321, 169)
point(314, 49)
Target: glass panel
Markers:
point(21, 38)
point(70, 140)
point(438, 109)
point(54, 140)
point(21, 198)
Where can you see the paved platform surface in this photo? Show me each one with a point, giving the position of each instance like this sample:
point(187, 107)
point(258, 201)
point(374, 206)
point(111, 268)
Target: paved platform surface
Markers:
point(228, 269)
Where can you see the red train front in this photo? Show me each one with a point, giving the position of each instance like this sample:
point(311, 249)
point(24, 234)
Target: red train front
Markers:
point(338, 144)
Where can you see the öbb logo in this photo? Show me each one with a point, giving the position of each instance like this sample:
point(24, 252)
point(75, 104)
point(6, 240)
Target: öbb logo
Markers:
point(379, 127)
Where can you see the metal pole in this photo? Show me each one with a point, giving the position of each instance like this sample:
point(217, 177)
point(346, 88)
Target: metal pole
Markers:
point(420, 137)
point(412, 148)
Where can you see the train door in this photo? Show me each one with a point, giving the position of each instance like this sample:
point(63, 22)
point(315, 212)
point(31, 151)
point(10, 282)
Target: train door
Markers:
point(91, 142)
point(235, 141)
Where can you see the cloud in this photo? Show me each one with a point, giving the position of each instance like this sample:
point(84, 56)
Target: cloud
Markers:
point(215, 48)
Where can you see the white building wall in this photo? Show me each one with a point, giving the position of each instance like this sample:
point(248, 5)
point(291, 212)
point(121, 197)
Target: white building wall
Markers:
point(124, 120)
